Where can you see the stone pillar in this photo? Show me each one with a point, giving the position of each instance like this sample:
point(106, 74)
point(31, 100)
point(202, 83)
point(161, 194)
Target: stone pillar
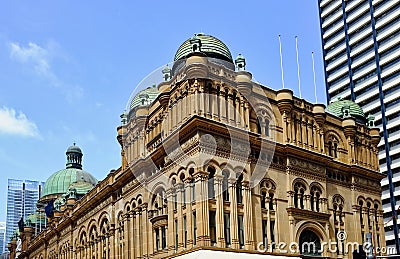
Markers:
point(189, 212)
point(222, 104)
point(179, 193)
point(112, 239)
point(219, 215)
point(170, 229)
point(248, 217)
point(247, 114)
point(202, 211)
point(284, 127)
point(234, 216)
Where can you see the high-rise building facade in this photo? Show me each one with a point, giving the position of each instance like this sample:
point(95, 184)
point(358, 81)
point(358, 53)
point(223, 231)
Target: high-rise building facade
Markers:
point(361, 50)
point(3, 242)
point(22, 196)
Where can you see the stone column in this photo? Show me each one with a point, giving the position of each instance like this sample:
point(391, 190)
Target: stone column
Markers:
point(234, 217)
point(247, 114)
point(179, 193)
point(220, 211)
point(248, 217)
point(170, 229)
point(284, 127)
point(189, 212)
point(202, 210)
point(222, 104)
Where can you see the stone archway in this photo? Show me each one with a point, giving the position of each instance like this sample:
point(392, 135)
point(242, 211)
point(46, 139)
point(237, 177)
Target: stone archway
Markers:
point(309, 243)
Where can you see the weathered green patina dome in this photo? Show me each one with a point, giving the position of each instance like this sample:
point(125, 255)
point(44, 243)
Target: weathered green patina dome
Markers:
point(81, 187)
point(58, 183)
point(346, 108)
point(144, 97)
point(35, 219)
point(210, 46)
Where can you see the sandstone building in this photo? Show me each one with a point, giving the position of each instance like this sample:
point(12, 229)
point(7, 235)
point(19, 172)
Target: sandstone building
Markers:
point(213, 163)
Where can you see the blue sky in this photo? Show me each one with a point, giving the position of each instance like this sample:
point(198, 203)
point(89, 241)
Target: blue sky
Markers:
point(68, 68)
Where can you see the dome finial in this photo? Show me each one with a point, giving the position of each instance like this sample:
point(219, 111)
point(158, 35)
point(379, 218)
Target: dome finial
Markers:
point(74, 157)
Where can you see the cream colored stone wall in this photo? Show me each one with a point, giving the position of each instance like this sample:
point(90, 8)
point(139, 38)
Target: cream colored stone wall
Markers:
point(321, 166)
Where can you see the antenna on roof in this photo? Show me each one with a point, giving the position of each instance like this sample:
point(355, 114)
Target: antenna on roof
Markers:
point(315, 84)
point(298, 66)
point(280, 52)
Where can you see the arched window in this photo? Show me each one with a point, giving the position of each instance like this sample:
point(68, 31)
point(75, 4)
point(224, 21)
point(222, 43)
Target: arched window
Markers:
point(259, 125)
point(360, 203)
point(239, 194)
point(338, 204)
point(310, 243)
point(211, 191)
point(225, 191)
point(271, 201)
point(376, 207)
point(266, 127)
point(315, 195)
point(263, 197)
point(299, 190)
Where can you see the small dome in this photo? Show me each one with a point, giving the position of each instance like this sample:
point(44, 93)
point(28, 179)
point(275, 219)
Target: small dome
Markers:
point(74, 149)
point(59, 182)
point(210, 46)
point(144, 97)
point(35, 219)
point(339, 107)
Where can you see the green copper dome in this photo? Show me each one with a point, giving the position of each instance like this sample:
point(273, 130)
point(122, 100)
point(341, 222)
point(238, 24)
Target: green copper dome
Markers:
point(144, 97)
point(60, 181)
point(35, 219)
point(81, 187)
point(209, 45)
point(346, 108)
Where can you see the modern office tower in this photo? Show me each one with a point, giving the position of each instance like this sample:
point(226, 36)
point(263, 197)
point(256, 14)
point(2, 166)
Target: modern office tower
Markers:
point(2, 237)
point(361, 49)
point(22, 196)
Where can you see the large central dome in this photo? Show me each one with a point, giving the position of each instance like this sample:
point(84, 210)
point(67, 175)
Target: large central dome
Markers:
point(210, 46)
point(60, 181)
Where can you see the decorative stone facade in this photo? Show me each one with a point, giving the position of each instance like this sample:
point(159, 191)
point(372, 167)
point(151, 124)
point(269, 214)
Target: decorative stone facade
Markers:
point(186, 177)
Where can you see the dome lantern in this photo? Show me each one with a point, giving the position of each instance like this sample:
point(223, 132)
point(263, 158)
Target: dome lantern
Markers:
point(74, 157)
point(166, 73)
point(370, 121)
point(195, 43)
point(240, 62)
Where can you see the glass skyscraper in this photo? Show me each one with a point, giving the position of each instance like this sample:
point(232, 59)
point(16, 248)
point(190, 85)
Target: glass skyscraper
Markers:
point(22, 196)
point(361, 50)
point(2, 237)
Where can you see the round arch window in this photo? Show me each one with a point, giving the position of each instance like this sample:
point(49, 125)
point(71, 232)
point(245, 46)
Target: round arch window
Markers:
point(310, 244)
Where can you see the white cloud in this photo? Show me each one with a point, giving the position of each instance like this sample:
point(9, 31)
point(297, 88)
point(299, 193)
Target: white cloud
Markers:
point(35, 55)
point(40, 58)
point(12, 123)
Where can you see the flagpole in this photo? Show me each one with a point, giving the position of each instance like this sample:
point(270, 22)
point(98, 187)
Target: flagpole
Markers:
point(280, 52)
point(315, 84)
point(298, 66)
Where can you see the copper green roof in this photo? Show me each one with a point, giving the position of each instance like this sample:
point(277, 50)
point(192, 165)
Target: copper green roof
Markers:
point(144, 97)
point(59, 182)
point(210, 46)
point(337, 108)
point(81, 187)
point(35, 219)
